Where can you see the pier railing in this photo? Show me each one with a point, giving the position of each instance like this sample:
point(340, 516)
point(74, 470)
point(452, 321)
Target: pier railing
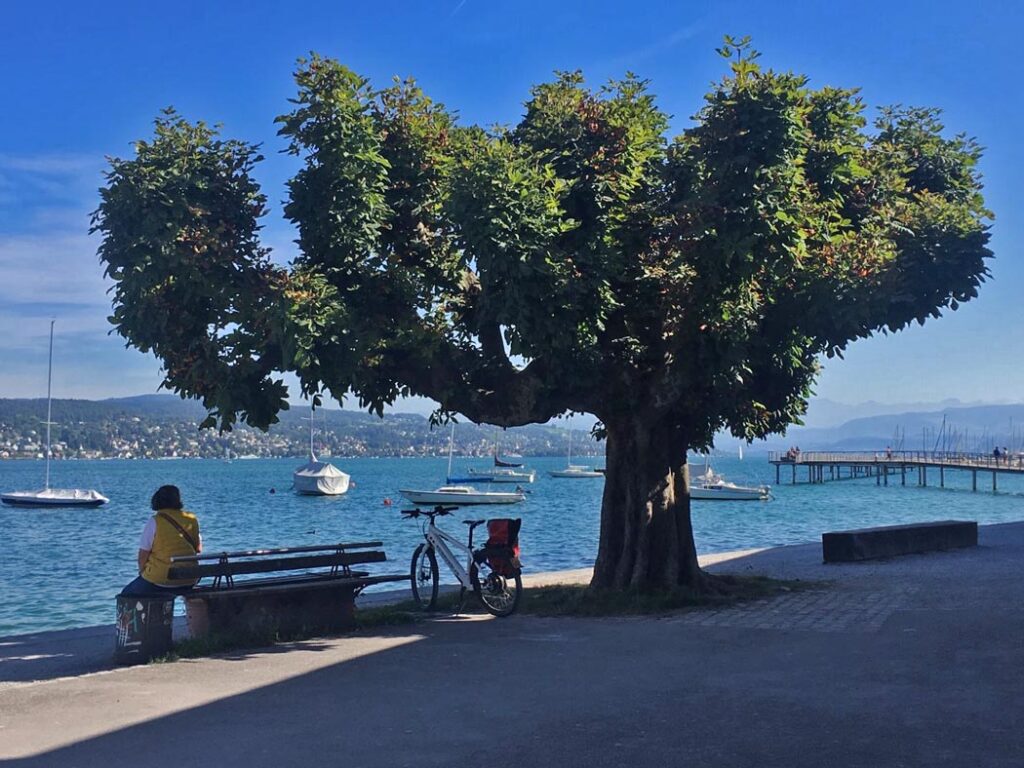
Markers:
point(957, 459)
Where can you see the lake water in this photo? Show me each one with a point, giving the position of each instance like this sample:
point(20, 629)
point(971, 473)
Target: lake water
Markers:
point(62, 568)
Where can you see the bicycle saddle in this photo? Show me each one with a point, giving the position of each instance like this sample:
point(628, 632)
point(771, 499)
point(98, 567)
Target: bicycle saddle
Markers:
point(473, 523)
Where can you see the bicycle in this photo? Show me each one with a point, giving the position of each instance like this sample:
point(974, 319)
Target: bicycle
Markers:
point(498, 592)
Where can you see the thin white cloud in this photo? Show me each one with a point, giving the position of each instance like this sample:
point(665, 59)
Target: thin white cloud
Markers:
point(52, 164)
point(659, 46)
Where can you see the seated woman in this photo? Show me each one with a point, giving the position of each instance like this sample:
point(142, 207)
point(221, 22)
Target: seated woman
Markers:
point(170, 532)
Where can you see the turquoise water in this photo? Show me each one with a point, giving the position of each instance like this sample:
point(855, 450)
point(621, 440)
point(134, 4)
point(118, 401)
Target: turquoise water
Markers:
point(62, 568)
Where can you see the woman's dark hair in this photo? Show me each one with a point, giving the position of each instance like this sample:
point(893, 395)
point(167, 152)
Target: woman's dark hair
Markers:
point(166, 497)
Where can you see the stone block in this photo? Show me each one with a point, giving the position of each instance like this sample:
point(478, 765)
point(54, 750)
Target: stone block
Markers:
point(315, 607)
point(894, 540)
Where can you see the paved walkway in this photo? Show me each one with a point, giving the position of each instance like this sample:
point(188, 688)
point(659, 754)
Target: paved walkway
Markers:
point(917, 661)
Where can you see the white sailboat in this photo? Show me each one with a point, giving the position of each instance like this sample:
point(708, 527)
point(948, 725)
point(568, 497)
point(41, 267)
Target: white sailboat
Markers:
point(502, 475)
point(47, 496)
point(461, 495)
point(574, 470)
point(318, 478)
point(502, 472)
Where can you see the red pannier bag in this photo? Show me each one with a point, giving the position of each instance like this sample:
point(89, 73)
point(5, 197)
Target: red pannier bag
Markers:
point(502, 548)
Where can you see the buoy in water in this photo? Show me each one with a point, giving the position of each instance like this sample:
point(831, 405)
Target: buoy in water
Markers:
point(387, 502)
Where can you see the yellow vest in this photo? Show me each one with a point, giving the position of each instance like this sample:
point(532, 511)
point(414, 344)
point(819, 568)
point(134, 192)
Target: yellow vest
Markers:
point(169, 543)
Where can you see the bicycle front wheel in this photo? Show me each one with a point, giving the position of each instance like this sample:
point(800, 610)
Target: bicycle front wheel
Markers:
point(499, 594)
point(423, 575)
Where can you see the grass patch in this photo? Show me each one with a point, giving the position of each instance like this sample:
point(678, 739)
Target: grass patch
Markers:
point(581, 600)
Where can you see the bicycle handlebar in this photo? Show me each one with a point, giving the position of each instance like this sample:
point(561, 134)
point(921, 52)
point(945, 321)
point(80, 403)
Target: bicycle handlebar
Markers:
point(438, 510)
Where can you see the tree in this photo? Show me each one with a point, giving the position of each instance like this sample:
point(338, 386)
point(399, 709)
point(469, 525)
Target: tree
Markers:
point(578, 261)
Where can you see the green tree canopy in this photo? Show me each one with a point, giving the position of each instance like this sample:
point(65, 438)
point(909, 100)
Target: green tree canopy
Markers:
point(580, 260)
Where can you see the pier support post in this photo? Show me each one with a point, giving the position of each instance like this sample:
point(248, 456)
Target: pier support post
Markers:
point(903, 474)
point(794, 474)
point(878, 477)
point(885, 473)
point(924, 476)
point(777, 468)
point(942, 477)
point(974, 479)
point(993, 480)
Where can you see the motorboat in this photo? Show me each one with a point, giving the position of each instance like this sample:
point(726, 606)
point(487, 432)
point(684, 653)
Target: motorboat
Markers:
point(462, 495)
point(318, 478)
point(47, 496)
point(574, 470)
point(502, 475)
point(713, 487)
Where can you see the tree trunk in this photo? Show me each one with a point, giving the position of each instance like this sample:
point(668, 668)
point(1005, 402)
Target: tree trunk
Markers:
point(646, 533)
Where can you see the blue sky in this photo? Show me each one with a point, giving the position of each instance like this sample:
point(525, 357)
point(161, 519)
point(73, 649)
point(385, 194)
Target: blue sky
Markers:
point(83, 80)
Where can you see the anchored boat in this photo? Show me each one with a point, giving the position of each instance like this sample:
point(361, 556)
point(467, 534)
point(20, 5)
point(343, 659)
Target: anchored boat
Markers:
point(318, 478)
point(462, 495)
point(574, 470)
point(53, 497)
point(713, 487)
point(502, 475)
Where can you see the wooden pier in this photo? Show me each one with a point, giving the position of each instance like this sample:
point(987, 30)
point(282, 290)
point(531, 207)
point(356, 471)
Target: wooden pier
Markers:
point(827, 466)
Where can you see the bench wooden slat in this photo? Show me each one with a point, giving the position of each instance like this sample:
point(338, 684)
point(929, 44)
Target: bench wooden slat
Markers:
point(281, 551)
point(270, 565)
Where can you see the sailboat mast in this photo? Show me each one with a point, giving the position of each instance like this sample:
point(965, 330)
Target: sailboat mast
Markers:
point(451, 446)
point(312, 456)
point(49, 382)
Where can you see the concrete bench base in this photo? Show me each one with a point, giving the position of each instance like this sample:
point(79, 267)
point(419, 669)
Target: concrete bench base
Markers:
point(893, 540)
point(285, 609)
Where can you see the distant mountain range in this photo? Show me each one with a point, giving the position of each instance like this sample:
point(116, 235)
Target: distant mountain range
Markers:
point(969, 428)
point(153, 426)
point(165, 425)
point(829, 413)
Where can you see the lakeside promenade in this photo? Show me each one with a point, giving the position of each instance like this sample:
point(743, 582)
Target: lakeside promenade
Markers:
point(915, 661)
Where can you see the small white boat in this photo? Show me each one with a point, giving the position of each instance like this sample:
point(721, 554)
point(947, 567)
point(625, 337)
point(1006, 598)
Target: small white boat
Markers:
point(713, 487)
point(575, 470)
point(462, 495)
point(53, 497)
point(318, 478)
point(502, 475)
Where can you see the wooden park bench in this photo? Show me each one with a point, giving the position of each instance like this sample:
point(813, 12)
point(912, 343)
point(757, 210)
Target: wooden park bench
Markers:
point(317, 594)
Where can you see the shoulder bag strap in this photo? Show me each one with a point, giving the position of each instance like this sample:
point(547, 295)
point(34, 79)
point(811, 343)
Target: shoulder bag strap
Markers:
point(185, 534)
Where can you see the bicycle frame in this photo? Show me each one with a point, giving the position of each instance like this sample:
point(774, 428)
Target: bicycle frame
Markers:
point(440, 540)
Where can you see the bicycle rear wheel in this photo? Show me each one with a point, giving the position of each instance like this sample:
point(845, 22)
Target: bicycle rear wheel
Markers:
point(499, 594)
point(423, 576)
